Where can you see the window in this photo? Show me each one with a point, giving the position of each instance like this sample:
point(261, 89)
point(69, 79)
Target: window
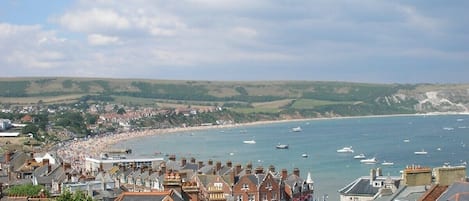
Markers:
point(239, 198)
point(251, 197)
point(264, 196)
point(245, 187)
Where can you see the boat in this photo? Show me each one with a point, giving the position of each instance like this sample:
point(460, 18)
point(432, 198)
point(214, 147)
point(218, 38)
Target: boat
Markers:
point(359, 156)
point(369, 161)
point(387, 163)
point(406, 140)
point(249, 142)
point(282, 146)
point(304, 155)
point(345, 150)
point(297, 129)
point(422, 152)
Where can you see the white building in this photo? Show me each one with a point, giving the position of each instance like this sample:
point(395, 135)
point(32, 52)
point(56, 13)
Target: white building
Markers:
point(93, 165)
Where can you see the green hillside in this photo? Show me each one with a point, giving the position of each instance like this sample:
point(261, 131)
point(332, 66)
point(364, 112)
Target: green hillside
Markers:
point(304, 98)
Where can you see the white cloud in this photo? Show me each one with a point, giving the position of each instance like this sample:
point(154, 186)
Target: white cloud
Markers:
point(98, 39)
point(94, 19)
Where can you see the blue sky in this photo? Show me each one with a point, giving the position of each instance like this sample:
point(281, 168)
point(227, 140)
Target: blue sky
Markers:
point(322, 40)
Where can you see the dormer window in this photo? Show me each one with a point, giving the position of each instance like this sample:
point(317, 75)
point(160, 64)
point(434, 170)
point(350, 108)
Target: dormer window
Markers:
point(245, 187)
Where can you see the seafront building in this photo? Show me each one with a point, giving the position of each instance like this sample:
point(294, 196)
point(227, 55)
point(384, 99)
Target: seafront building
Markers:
point(415, 183)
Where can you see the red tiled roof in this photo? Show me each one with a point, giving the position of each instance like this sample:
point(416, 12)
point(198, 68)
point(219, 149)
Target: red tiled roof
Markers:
point(433, 193)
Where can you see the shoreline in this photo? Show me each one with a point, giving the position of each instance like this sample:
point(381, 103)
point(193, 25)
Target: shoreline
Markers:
point(76, 151)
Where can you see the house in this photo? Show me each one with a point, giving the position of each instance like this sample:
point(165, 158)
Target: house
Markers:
point(170, 195)
point(295, 187)
point(370, 187)
point(214, 187)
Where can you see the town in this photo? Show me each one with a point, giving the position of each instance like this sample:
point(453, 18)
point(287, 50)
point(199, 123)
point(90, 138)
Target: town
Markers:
point(48, 160)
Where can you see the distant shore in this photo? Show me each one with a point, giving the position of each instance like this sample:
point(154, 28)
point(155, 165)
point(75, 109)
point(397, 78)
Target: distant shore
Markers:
point(76, 151)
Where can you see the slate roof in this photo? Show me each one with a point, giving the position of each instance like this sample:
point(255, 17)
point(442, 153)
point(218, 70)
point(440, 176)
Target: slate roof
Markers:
point(43, 177)
point(457, 191)
point(360, 186)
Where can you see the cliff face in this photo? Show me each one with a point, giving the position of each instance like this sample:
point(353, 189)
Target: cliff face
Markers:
point(438, 99)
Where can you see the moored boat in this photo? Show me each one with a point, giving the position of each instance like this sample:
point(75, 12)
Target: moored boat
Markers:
point(282, 146)
point(297, 129)
point(345, 150)
point(249, 142)
point(422, 152)
point(304, 155)
point(369, 161)
point(387, 163)
point(359, 156)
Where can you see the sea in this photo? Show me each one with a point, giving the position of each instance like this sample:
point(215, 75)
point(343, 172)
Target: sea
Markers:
point(388, 138)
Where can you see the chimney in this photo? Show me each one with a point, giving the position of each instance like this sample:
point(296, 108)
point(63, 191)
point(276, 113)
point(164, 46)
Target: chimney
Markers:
point(45, 161)
point(229, 164)
point(163, 168)
point(372, 176)
point(172, 157)
point(272, 168)
point(259, 170)
point(210, 162)
point(183, 162)
point(249, 165)
point(296, 172)
point(200, 164)
point(31, 154)
point(150, 171)
point(237, 169)
point(218, 165)
point(379, 172)
point(192, 160)
point(284, 174)
point(101, 168)
point(8, 156)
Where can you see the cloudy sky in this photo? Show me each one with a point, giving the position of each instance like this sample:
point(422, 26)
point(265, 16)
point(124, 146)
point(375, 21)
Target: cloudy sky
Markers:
point(421, 41)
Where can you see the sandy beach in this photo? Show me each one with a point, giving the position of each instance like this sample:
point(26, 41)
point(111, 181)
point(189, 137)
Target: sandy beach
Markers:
point(76, 151)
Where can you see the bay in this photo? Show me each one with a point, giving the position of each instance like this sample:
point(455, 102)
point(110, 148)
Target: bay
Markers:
point(391, 138)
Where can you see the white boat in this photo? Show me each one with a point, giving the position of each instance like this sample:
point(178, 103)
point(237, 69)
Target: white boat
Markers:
point(345, 150)
point(406, 140)
point(422, 152)
point(249, 142)
point(282, 146)
point(369, 161)
point(387, 163)
point(304, 155)
point(359, 156)
point(297, 129)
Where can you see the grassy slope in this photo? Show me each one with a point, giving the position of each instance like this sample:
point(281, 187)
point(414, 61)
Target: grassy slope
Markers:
point(247, 97)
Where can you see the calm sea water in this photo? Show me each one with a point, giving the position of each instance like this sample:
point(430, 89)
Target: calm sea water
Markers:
point(444, 137)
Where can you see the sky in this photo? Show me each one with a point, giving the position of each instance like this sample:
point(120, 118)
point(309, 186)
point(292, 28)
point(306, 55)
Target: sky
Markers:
point(399, 41)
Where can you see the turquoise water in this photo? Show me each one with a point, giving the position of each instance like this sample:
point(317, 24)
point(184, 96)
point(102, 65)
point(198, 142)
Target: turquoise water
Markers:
point(444, 137)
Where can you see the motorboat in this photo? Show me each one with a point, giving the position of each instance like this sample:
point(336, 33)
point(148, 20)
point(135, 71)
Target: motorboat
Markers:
point(369, 161)
point(422, 152)
point(249, 142)
point(297, 129)
point(304, 155)
point(359, 156)
point(345, 150)
point(282, 146)
point(387, 163)
point(406, 140)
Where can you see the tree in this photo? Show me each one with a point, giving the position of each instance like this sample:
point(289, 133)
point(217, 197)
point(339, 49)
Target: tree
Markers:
point(77, 196)
point(27, 190)
point(30, 128)
point(121, 111)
